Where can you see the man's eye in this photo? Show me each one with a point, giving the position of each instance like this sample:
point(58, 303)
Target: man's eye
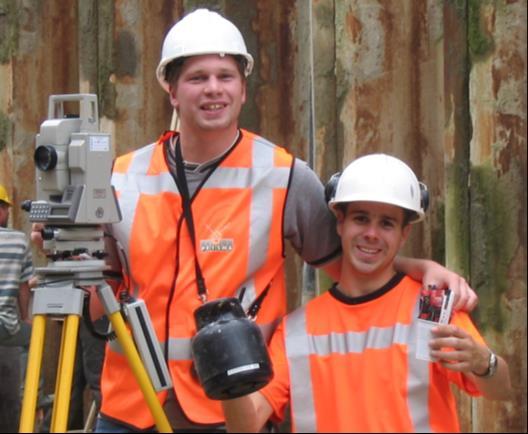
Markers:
point(388, 224)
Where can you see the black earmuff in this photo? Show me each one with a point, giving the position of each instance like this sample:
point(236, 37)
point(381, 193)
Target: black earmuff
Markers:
point(331, 187)
point(424, 197)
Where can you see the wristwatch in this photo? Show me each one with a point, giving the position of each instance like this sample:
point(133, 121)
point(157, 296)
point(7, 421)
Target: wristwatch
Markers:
point(492, 366)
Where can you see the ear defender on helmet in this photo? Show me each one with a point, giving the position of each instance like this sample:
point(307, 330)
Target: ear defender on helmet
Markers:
point(331, 187)
point(424, 196)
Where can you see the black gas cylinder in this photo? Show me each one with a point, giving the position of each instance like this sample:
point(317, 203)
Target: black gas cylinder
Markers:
point(228, 350)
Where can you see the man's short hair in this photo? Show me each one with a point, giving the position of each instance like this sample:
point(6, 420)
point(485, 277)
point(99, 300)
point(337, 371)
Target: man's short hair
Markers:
point(408, 215)
point(173, 69)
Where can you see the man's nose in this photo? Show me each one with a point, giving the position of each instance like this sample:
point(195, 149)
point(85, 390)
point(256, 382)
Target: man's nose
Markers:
point(213, 85)
point(371, 231)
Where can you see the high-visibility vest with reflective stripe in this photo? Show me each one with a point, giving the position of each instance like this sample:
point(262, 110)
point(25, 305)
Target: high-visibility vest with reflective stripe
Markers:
point(352, 368)
point(238, 214)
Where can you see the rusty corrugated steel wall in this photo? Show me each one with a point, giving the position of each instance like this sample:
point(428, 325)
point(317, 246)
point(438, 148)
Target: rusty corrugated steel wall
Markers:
point(441, 84)
point(497, 84)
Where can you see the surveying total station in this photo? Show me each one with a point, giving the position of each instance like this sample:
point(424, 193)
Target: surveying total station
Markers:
point(74, 200)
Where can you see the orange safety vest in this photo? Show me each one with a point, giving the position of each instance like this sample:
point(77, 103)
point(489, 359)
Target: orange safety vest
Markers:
point(352, 367)
point(238, 216)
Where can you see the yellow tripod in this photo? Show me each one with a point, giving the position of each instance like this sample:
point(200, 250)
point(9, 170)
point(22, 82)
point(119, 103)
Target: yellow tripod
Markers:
point(59, 294)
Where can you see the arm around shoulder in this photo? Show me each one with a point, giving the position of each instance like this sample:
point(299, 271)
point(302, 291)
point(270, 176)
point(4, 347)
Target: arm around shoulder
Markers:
point(247, 414)
point(432, 274)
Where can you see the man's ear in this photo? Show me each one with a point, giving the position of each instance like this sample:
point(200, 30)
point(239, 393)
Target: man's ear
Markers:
point(244, 91)
point(173, 97)
point(340, 218)
point(406, 231)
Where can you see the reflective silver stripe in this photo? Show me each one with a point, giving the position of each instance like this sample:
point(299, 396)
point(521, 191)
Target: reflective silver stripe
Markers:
point(262, 177)
point(128, 196)
point(268, 329)
point(115, 346)
point(300, 345)
point(301, 389)
point(357, 342)
point(180, 348)
point(418, 380)
point(244, 177)
point(261, 210)
point(144, 184)
point(130, 186)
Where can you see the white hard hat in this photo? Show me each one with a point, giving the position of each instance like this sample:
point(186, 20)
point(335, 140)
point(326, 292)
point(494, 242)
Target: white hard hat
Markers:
point(201, 32)
point(382, 178)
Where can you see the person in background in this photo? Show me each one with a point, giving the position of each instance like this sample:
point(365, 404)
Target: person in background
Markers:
point(16, 270)
point(346, 361)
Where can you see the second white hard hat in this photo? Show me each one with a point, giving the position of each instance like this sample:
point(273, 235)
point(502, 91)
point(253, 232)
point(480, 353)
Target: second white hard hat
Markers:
point(201, 32)
point(381, 178)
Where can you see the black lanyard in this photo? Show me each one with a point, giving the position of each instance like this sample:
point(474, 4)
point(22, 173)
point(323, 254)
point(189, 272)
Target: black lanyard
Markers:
point(181, 182)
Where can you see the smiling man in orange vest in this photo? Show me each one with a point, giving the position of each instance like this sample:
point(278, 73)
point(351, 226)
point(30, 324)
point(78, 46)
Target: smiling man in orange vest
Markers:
point(346, 361)
point(206, 213)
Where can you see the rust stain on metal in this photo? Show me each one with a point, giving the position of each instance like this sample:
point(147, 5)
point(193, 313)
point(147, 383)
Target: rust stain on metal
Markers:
point(354, 27)
point(485, 124)
point(276, 66)
point(511, 67)
point(127, 57)
point(367, 100)
point(366, 128)
point(511, 132)
point(390, 38)
point(263, 25)
point(286, 56)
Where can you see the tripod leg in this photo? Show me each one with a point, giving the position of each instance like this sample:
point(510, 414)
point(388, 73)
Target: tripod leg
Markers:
point(59, 421)
point(57, 376)
point(36, 348)
point(139, 371)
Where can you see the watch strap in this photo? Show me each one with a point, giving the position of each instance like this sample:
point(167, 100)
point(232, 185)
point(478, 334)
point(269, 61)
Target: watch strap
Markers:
point(492, 366)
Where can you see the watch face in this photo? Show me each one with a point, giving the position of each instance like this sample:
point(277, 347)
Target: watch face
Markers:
point(492, 364)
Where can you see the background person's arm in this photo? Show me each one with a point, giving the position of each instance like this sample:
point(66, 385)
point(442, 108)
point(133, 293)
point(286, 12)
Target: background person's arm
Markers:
point(24, 296)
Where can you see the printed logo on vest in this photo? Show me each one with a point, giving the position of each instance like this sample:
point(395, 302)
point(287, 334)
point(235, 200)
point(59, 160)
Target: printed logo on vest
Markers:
point(216, 243)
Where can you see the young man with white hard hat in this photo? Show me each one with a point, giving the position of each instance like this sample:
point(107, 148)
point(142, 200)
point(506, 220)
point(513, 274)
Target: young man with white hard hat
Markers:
point(206, 211)
point(346, 361)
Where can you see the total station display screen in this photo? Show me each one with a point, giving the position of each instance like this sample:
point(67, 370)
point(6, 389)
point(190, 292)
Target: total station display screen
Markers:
point(55, 211)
